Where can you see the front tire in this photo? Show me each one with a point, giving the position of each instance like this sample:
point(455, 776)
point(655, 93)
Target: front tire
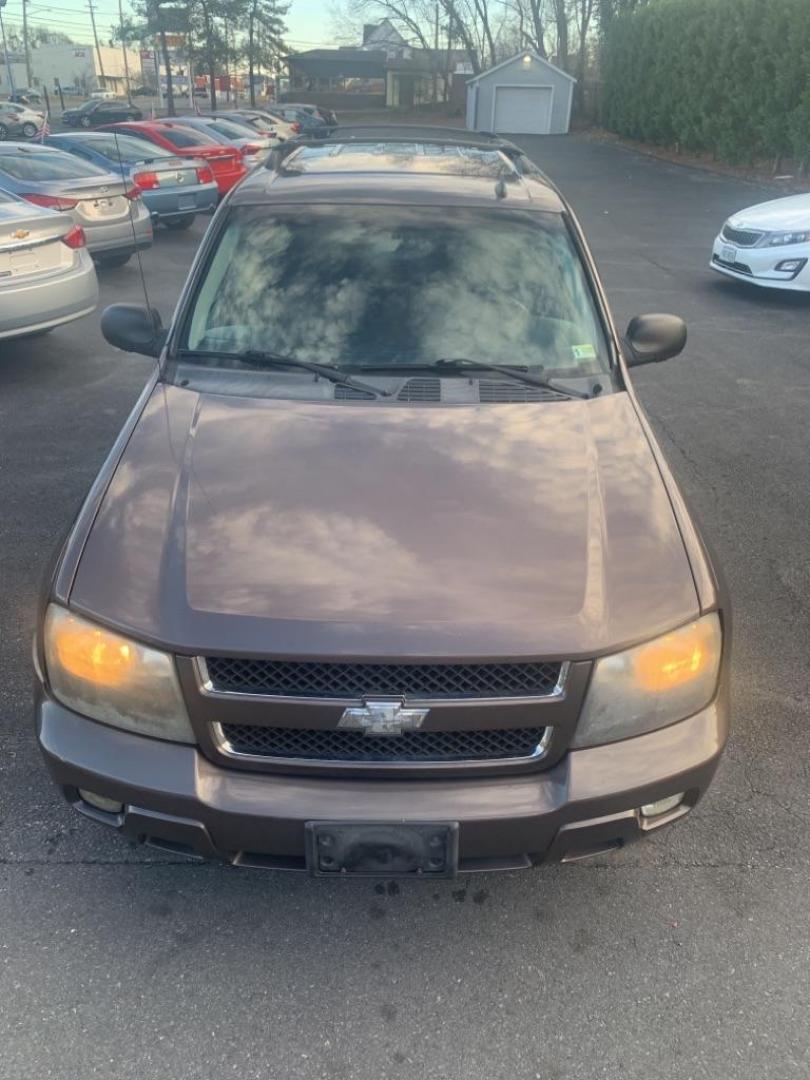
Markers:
point(3, 132)
point(111, 262)
point(178, 224)
point(86, 122)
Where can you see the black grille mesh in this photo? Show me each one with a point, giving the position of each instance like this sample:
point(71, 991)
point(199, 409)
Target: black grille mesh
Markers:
point(741, 237)
point(410, 747)
point(283, 678)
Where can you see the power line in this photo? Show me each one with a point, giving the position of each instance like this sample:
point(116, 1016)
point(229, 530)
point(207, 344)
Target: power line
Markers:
point(111, 20)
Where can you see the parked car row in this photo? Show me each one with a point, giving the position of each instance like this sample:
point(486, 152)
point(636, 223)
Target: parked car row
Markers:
point(91, 197)
point(173, 189)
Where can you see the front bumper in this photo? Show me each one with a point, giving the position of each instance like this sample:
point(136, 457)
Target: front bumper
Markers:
point(758, 266)
point(175, 798)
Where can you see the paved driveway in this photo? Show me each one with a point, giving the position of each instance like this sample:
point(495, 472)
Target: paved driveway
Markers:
point(683, 957)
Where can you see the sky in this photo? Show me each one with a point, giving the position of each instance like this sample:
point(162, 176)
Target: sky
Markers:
point(309, 21)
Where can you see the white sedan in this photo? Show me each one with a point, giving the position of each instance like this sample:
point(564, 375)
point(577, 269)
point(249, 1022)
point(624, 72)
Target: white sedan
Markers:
point(767, 244)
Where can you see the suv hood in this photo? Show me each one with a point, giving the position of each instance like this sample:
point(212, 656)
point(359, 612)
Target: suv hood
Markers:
point(252, 526)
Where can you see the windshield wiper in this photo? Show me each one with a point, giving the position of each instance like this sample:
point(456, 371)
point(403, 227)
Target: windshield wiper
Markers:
point(521, 373)
point(462, 363)
point(261, 358)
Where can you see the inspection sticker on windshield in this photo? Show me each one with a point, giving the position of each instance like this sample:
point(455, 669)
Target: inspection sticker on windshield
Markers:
point(583, 352)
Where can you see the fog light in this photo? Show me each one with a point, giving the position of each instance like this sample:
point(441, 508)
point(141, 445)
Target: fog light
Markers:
point(662, 806)
point(101, 802)
point(791, 266)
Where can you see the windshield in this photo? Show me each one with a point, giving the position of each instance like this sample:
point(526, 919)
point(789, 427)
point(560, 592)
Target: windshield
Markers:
point(257, 122)
point(186, 137)
point(126, 148)
point(386, 286)
point(46, 165)
point(228, 129)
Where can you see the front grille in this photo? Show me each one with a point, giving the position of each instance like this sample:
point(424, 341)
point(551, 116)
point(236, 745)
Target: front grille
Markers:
point(741, 237)
point(412, 747)
point(292, 678)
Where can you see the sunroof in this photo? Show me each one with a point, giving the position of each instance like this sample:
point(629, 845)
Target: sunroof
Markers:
point(408, 157)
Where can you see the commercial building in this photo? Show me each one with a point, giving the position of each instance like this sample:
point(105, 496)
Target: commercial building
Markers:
point(76, 68)
point(385, 71)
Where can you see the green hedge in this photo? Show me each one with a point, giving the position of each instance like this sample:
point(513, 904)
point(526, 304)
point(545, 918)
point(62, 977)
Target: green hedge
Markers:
point(728, 77)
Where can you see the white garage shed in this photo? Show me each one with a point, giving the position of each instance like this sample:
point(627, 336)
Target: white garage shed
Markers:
point(525, 95)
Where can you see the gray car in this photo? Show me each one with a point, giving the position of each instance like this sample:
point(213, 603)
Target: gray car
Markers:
point(401, 587)
point(108, 208)
point(11, 126)
point(46, 274)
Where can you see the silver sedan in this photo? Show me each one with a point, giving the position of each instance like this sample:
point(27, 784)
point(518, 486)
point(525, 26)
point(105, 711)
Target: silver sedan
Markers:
point(105, 204)
point(46, 274)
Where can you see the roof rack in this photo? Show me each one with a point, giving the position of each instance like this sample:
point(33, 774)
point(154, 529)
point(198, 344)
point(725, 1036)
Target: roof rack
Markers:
point(429, 134)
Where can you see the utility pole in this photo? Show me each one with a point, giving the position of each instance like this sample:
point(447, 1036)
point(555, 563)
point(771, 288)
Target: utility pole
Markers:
point(436, 57)
point(190, 64)
point(9, 72)
point(92, 10)
point(124, 50)
point(25, 45)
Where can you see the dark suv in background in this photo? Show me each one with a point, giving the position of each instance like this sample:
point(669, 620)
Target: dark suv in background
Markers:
point(402, 584)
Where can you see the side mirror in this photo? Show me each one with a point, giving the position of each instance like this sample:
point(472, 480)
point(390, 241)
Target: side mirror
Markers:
point(134, 329)
point(653, 338)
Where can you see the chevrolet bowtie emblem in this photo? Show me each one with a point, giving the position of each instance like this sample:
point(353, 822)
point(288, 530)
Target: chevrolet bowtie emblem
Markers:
point(382, 718)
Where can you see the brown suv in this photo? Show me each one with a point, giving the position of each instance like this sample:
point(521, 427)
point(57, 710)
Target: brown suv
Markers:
point(386, 573)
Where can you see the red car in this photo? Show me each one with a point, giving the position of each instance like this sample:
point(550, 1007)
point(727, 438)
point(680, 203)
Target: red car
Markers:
point(225, 161)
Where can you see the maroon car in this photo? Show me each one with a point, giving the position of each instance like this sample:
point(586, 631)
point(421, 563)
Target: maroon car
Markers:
point(386, 573)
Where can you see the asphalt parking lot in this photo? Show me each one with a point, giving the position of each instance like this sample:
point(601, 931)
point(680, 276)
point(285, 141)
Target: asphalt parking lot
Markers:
point(684, 957)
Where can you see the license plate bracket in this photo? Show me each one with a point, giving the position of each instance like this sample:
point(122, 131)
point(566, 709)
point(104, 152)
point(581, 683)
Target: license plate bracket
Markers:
point(375, 849)
point(729, 254)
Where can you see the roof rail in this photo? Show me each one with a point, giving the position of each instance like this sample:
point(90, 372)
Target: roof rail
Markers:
point(430, 134)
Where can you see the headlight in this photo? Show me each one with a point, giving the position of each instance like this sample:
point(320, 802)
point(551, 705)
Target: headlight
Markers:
point(112, 679)
point(781, 239)
point(652, 685)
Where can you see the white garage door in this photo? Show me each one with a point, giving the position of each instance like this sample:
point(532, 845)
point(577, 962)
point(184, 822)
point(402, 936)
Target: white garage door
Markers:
point(522, 110)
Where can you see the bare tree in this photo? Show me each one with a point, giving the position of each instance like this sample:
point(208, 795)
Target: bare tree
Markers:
point(584, 14)
point(561, 25)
